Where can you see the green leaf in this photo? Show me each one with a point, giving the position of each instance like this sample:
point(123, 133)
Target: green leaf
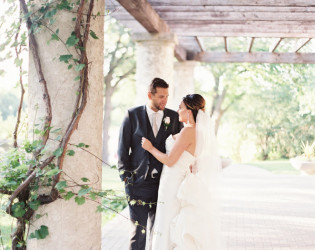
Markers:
point(51, 13)
point(99, 209)
point(80, 145)
point(77, 78)
point(54, 37)
point(84, 179)
point(68, 196)
point(93, 196)
point(84, 191)
point(34, 204)
point(61, 185)
point(79, 200)
point(53, 172)
point(79, 67)
point(18, 62)
point(65, 58)
point(58, 152)
point(72, 40)
point(55, 130)
point(92, 33)
point(18, 209)
point(70, 152)
point(70, 66)
point(40, 233)
point(132, 202)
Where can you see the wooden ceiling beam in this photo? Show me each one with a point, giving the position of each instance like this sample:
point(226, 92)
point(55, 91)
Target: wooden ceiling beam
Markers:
point(237, 16)
point(238, 9)
point(225, 44)
point(292, 3)
point(180, 53)
point(297, 51)
point(143, 12)
point(247, 28)
point(255, 57)
point(251, 45)
point(199, 44)
point(276, 45)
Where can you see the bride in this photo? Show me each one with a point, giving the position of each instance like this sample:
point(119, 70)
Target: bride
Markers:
point(187, 210)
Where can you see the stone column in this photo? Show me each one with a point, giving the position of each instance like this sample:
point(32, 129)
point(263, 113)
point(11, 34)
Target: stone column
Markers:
point(155, 58)
point(71, 226)
point(183, 80)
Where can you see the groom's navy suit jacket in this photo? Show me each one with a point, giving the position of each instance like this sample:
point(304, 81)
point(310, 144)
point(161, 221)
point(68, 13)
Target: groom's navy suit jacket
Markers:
point(135, 163)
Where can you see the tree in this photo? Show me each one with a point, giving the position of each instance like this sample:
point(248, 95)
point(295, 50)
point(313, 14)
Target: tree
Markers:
point(119, 54)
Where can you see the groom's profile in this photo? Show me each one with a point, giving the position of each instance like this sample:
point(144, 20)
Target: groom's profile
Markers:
point(139, 169)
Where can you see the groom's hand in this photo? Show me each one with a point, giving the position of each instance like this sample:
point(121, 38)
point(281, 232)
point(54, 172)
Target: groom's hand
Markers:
point(146, 144)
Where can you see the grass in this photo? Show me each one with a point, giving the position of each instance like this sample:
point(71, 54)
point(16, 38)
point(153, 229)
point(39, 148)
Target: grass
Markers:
point(276, 167)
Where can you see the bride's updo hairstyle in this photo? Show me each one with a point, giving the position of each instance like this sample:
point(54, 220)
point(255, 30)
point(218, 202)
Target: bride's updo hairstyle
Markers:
point(194, 102)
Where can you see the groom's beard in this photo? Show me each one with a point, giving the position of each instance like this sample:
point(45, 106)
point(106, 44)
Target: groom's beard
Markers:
point(159, 106)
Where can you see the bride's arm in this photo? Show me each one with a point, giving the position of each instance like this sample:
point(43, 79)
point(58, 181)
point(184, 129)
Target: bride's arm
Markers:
point(182, 142)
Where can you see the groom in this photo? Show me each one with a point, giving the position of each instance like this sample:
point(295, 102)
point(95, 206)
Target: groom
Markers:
point(138, 169)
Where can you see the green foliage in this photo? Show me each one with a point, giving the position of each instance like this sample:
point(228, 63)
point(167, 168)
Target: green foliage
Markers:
point(41, 233)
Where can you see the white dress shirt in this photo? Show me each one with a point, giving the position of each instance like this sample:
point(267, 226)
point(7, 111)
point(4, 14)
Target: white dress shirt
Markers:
point(159, 116)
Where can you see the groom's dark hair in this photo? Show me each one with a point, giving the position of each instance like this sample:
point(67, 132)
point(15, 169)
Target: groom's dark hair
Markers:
point(157, 83)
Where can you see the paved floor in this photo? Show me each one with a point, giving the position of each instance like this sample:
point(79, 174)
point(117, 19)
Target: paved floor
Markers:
point(260, 211)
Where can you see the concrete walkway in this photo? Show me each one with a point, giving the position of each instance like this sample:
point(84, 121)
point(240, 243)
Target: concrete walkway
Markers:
point(260, 211)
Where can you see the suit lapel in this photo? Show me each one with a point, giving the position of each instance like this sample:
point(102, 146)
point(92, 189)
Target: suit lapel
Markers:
point(162, 128)
point(145, 120)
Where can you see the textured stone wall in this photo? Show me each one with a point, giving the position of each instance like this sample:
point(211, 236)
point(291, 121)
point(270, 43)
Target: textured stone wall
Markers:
point(71, 226)
point(155, 58)
point(183, 80)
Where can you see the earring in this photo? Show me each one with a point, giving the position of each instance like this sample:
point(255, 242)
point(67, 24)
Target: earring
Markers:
point(188, 122)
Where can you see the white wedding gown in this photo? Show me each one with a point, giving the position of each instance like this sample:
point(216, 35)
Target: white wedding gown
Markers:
point(183, 220)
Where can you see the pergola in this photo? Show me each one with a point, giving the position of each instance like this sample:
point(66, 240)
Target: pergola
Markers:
point(192, 19)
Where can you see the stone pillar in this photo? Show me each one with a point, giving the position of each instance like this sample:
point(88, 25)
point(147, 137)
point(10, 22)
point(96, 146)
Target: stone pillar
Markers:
point(155, 58)
point(71, 226)
point(183, 80)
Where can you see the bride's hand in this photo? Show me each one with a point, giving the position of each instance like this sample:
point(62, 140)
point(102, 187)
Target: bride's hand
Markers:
point(146, 144)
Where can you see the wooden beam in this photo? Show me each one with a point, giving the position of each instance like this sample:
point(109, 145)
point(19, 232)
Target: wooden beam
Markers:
point(232, 2)
point(246, 28)
point(255, 57)
point(303, 45)
point(199, 44)
point(251, 45)
point(180, 53)
point(143, 12)
point(236, 16)
point(276, 45)
point(230, 8)
point(225, 44)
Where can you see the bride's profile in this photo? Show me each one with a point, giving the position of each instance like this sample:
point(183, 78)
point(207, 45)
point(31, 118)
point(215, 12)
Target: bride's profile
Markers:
point(187, 209)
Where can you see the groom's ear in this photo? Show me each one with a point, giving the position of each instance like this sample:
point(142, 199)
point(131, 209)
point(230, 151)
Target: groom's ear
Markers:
point(150, 95)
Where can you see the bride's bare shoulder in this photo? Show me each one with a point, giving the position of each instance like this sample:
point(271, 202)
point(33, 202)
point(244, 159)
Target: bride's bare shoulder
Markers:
point(187, 131)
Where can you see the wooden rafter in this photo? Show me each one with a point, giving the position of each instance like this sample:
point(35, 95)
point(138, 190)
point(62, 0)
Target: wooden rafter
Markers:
point(251, 45)
point(277, 44)
point(303, 45)
point(143, 12)
point(199, 44)
point(225, 44)
point(232, 2)
point(255, 57)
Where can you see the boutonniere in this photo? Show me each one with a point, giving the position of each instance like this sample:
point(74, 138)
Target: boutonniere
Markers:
point(166, 122)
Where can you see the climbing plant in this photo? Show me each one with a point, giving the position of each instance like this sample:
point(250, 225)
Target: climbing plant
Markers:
point(33, 165)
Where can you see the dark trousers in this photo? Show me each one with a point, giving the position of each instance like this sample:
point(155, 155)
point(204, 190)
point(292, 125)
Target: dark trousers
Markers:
point(142, 216)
